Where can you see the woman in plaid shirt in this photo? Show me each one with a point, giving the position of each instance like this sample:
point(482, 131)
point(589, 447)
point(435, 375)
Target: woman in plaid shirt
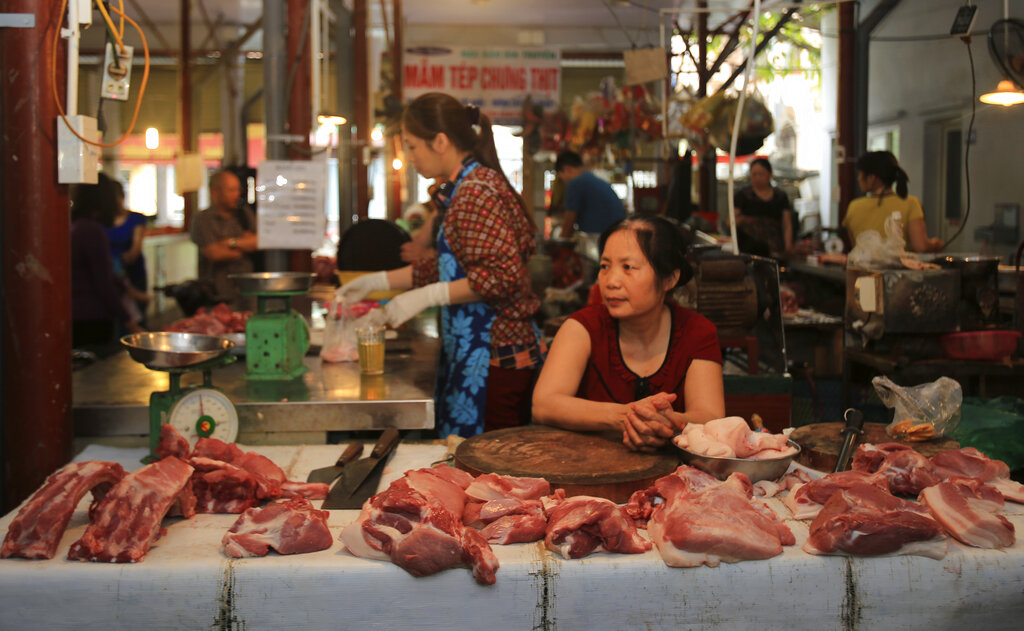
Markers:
point(490, 347)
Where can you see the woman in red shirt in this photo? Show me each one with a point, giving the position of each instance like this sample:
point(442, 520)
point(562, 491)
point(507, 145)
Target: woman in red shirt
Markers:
point(634, 363)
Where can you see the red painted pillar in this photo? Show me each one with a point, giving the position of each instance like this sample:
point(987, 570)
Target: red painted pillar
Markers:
point(36, 316)
point(300, 105)
point(361, 102)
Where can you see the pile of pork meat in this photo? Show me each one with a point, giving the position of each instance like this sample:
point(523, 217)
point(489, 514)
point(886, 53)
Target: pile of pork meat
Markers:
point(127, 511)
point(893, 501)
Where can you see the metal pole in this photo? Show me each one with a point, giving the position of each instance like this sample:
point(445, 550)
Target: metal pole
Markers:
point(300, 103)
point(188, 141)
point(275, 59)
point(361, 103)
point(36, 366)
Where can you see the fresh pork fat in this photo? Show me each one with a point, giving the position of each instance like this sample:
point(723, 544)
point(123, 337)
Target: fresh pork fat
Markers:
point(968, 462)
point(967, 510)
point(581, 524)
point(416, 523)
point(127, 520)
point(731, 437)
point(37, 529)
point(705, 525)
point(865, 520)
point(288, 526)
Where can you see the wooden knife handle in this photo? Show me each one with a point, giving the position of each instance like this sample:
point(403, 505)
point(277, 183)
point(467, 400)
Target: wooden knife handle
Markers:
point(386, 441)
point(353, 451)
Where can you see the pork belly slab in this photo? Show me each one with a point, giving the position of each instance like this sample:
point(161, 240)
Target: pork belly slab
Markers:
point(289, 527)
point(705, 524)
point(127, 519)
point(37, 529)
point(865, 520)
point(967, 508)
point(416, 523)
point(968, 462)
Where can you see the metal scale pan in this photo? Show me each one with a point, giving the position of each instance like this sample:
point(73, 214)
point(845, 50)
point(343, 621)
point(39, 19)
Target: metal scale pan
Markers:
point(162, 350)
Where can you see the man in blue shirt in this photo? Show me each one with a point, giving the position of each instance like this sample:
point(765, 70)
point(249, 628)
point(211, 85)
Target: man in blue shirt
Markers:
point(590, 202)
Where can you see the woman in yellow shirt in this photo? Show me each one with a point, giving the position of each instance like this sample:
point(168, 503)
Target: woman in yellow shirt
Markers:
point(877, 172)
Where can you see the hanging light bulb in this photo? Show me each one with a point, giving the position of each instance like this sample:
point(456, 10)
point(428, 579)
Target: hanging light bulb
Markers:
point(1005, 94)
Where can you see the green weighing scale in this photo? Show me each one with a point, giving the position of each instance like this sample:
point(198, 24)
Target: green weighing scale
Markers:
point(197, 411)
point(276, 336)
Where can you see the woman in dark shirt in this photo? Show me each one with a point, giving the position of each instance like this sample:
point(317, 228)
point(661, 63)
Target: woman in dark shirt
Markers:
point(764, 223)
point(634, 364)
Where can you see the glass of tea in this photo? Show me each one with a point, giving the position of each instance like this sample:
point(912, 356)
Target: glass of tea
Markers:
point(371, 349)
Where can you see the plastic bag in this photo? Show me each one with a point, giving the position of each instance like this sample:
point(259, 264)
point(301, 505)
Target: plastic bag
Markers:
point(875, 251)
point(340, 333)
point(921, 412)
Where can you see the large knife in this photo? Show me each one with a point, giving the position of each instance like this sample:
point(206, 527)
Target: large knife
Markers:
point(853, 429)
point(328, 474)
point(362, 471)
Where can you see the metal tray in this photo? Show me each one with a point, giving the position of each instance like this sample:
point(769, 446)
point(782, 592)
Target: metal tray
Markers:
point(273, 282)
point(166, 349)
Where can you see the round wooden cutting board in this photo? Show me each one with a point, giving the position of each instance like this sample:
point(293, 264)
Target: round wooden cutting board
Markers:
point(820, 443)
point(582, 464)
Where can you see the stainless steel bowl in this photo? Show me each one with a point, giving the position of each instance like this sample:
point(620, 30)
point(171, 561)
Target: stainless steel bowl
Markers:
point(271, 282)
point(164, 349)
point(756, 470)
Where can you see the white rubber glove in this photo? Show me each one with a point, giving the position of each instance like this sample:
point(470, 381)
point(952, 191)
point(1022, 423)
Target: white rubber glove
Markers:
point(406, 305)
point(355, 290)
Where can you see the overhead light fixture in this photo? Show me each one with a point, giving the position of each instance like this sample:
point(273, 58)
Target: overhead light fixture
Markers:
point(152, 138)
point(1005, 94)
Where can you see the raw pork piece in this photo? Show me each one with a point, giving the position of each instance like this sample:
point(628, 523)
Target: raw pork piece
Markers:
point(731, 437)
point(491, 486)
point(967, 510)
point(908, 471)
point(770, 488)
point(307, 490)
point(288, 526)
point(581, 524)
point(714, 523)
point(509, 510)
point(416, 523)
point(128, 518)
point(971, 463)
point(172, 444)
point(219, 320)
point(641, 504)
point(864, 520)
point(39, 525)
point(806, 500)
point(221, 487)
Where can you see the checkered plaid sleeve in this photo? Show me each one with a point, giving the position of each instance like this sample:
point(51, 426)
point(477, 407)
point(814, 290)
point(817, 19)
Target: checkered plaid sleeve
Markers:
point(482, 236)
point(424, 271)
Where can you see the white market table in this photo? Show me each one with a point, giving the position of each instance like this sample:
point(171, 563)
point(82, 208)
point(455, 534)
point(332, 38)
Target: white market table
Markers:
point(185, 582)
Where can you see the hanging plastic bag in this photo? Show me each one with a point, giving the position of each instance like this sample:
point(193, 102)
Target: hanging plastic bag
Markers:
point(921, 412)
point(340, 333)
point(874, 251)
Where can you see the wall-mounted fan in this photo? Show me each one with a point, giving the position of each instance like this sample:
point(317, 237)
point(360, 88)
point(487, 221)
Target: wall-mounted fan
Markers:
point(1006, 44)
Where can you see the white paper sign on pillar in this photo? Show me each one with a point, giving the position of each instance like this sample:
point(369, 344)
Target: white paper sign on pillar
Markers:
point(290, 211)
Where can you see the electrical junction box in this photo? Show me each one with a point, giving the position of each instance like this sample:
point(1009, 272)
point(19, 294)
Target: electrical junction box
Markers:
point(117, 73)
point(77, 160)
point(964, 21)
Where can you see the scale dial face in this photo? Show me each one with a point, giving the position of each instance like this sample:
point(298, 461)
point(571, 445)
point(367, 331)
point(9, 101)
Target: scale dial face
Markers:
point(204, 413)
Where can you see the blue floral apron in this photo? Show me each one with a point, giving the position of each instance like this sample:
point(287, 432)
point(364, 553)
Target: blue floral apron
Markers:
point(461, 388)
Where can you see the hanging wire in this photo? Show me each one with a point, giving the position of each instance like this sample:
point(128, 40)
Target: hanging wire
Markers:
point(736, 125)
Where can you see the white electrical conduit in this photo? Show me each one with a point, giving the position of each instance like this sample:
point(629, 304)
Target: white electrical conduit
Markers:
point(748, 71)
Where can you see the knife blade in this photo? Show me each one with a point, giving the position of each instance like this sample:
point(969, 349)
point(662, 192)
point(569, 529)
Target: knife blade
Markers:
point(854, 428)
point(356, 473)
point(328, 474)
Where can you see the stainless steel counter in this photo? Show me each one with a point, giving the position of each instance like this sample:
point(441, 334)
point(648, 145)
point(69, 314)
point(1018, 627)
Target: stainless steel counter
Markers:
point(111, 397)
